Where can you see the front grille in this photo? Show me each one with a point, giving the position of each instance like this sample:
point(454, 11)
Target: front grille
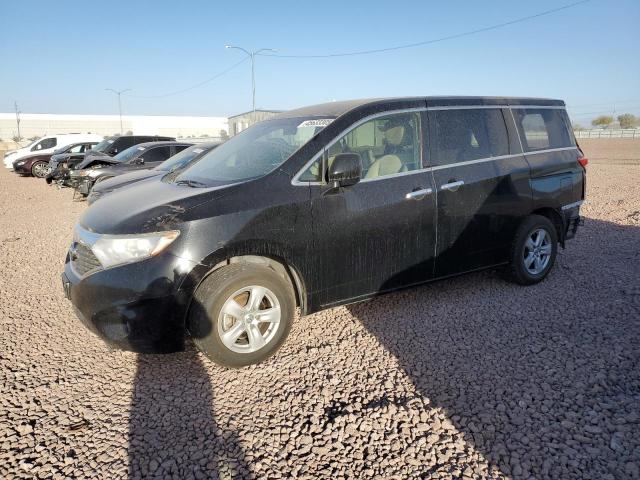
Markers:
point(83, 260)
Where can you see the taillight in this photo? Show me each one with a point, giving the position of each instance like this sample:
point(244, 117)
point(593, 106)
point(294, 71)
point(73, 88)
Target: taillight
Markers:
point(583, 161)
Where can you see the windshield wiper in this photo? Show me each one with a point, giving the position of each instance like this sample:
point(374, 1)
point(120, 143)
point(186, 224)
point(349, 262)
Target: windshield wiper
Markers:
point(191, 183)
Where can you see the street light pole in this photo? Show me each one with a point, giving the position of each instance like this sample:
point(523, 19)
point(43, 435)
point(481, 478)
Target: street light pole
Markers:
point(119, 93)
point(15, 104)
point(252, 55)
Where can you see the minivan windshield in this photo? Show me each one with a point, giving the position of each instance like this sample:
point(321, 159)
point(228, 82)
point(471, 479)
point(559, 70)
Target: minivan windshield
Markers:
point(183, 158)
point(256, 151)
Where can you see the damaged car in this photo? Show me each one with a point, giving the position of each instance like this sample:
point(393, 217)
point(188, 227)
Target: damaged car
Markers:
point(324, 206)
point(62, 158)
point(181, 160)
point(99, 155)
point(141, 156)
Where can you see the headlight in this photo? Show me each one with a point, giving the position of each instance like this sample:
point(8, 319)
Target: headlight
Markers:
point(114, 250)
point(92, 173)
point(21, 162)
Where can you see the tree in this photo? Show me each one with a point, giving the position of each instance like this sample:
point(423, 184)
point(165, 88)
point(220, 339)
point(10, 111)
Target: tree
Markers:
point(223, 134)
point(16, 138)
point(602, 121)
point(627, 120)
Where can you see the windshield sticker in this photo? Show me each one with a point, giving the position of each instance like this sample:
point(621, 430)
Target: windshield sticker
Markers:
point(319, 122)
point(111, 141)
point(140, 148)
point(198, 150)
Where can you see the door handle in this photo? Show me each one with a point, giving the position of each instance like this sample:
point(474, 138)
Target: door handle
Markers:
point(418, 194)
point(452, 186)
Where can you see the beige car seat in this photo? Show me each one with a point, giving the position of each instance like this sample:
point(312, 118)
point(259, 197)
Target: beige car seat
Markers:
point(388, 164)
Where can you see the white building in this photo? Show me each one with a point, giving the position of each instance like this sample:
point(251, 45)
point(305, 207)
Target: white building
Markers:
point(36, 125)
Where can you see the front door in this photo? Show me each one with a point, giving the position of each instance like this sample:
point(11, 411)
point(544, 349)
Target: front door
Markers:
point(377, 235)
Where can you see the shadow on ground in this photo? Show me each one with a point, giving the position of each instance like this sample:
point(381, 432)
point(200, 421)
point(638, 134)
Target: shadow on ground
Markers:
point(172, 429)
point(543, 381)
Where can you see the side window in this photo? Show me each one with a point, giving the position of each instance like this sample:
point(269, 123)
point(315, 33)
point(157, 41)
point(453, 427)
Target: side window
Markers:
point(179, 148)
point(468, 134)
point(45, 143)
point(542, 128)
point(157, 154)
point(77, 149)
point(387, 145)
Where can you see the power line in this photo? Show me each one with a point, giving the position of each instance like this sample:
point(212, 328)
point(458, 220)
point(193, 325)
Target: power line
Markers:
point(436, 40)
point(210, 79)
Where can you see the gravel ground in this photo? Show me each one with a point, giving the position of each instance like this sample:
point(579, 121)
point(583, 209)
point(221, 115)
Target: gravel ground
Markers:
point(471, 377)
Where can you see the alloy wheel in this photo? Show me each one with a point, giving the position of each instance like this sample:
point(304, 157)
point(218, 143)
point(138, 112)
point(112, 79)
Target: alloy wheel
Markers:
point(40, 170)
point(249, 319)
point(537, 251)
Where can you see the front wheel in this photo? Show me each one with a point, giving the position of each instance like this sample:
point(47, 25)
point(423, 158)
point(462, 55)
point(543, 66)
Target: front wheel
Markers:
point(534, 250)
point(241, 314)
point(40, 169)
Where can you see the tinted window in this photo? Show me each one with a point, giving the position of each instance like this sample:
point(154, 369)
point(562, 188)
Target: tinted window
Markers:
point(387, 145)
point(179, 148)
point(46, 143)
point(125, 142)
point(543, 128)
point(463, 135)
point(157, 154)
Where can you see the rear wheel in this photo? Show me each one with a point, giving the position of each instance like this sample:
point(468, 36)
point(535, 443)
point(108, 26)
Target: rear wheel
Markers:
point(241, 314)
point(534, 250)
point(40, 169)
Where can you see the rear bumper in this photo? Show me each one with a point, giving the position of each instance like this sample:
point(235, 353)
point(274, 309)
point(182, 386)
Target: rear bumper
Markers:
point(572, 219)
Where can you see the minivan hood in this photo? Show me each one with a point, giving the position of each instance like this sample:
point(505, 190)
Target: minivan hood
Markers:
point(148, 206)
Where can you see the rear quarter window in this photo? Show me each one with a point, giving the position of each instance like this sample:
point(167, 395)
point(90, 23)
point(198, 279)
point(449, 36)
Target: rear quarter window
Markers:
point(467, 134)
point(543, 128)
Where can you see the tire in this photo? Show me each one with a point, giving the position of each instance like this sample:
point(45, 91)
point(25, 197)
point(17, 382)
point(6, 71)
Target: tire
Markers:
point(39, 169)
point(228, 292)
point(526, 267)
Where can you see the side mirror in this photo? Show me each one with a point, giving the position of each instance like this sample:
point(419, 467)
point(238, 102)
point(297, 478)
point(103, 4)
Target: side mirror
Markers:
point(345, 170)
point(113, 151)
point(140, 160)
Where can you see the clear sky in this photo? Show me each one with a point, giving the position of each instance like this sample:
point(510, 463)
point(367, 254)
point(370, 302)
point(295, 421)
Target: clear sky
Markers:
point(59, 56)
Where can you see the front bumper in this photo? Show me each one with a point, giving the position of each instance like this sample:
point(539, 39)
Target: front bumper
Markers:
point(139, 307)
point(24, 169)
point(83, 185)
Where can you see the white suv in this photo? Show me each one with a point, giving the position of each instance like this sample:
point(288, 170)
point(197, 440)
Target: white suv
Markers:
point(48, 144)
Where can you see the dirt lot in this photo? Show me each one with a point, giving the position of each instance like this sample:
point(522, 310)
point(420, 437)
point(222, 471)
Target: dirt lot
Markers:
point(467, 378)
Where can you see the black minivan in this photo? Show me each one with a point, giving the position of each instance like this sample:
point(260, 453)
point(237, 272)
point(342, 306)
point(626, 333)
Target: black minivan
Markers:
point(324, 206)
